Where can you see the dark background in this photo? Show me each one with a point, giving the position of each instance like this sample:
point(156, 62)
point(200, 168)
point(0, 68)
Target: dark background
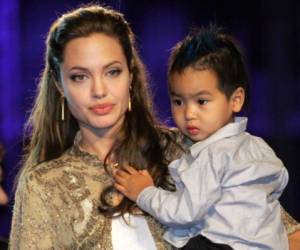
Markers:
point(268, 30)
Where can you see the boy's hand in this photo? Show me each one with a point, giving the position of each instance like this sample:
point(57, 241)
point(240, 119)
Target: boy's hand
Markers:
point(131, 182)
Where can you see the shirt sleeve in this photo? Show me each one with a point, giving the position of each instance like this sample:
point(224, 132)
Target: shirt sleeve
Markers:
point(244, 177)
point(196, 191)
point(31, 227)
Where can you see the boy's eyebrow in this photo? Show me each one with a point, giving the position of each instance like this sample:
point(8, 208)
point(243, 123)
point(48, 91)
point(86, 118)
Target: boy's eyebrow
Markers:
point(199, 93)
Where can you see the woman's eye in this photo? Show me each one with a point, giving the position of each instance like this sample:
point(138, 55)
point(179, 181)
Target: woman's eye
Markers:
point(78, 77)
point(114, 72)
point(202, 102)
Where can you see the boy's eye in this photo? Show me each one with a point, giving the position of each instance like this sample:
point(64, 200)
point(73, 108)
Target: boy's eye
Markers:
point(177, 102)
point(114, 72)
point(202, 102)
point(78, 77)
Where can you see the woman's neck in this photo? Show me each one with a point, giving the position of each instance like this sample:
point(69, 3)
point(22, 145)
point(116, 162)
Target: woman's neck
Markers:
point(96, 144)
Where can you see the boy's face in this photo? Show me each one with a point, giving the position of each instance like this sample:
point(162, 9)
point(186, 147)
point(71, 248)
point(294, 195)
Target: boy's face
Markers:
point(199, 108)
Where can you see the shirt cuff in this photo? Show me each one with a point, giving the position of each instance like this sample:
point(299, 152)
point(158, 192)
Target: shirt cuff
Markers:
point(142, 197)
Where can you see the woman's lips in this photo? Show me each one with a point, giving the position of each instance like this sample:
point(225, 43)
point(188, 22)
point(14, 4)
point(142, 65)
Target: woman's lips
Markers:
point(102, 109)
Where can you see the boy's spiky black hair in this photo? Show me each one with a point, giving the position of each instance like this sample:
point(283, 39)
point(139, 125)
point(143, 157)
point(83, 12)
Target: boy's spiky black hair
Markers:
point(212, 49)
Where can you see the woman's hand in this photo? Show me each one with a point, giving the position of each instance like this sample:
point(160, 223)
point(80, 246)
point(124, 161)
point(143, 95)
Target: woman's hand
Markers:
point(131, 182)
point(3, 197)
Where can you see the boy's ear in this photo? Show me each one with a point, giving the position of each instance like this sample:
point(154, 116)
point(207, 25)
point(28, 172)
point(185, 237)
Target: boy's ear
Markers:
point(238, 99)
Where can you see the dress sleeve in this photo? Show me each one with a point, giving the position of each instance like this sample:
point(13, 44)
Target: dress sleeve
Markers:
point(289, 222)
point(31, 227)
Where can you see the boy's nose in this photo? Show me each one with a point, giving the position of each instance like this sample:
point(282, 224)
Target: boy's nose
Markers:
point(189, 112)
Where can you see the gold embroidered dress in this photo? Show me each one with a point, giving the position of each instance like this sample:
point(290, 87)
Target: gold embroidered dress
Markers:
point(56, 206)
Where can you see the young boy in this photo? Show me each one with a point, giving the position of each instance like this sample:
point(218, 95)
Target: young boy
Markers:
point(228, 183)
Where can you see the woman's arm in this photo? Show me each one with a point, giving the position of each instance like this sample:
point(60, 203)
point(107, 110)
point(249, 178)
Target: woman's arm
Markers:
point(31, 225)
point(292, 228)
point(294, 240)
point(289, 222)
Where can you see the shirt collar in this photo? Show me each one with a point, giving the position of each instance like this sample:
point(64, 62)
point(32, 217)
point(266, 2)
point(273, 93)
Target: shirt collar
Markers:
point(238, 126)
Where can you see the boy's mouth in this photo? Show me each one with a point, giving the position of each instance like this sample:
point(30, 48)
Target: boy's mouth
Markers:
point(192, 130)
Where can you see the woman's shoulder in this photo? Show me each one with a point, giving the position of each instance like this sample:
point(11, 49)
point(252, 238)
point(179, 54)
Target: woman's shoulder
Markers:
point(63, 178)
point(51, 168)
point(45, 174)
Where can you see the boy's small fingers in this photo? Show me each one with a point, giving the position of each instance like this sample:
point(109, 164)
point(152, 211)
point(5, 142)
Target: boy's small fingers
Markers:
point(122, 173)
point(130, 170)
point(120, 188)
point(114, 172)
point(144, 172)
point(119, 180)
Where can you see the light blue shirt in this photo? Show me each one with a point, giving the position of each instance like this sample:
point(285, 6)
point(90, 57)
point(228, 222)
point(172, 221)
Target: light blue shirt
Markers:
point(227, 189)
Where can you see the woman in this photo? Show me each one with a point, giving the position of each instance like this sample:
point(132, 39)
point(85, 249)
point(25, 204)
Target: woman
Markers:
point(93, 113)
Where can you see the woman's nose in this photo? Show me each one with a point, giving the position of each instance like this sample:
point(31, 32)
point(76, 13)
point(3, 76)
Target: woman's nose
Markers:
point(98, 88)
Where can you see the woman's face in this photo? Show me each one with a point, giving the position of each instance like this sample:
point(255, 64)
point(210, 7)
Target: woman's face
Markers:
point(95, 81)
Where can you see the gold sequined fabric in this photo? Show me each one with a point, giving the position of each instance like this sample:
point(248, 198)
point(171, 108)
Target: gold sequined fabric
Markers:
point(290, 223)
point(56, 206)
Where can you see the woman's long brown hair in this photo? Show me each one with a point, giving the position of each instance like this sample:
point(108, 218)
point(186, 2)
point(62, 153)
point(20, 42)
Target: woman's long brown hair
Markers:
point(143, 143)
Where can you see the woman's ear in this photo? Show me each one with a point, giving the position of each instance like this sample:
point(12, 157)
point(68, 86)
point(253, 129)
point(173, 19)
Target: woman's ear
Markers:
point(55, 78)
point(57, 82)
point(237, 99)
point(59, 88)
point(130, 78)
